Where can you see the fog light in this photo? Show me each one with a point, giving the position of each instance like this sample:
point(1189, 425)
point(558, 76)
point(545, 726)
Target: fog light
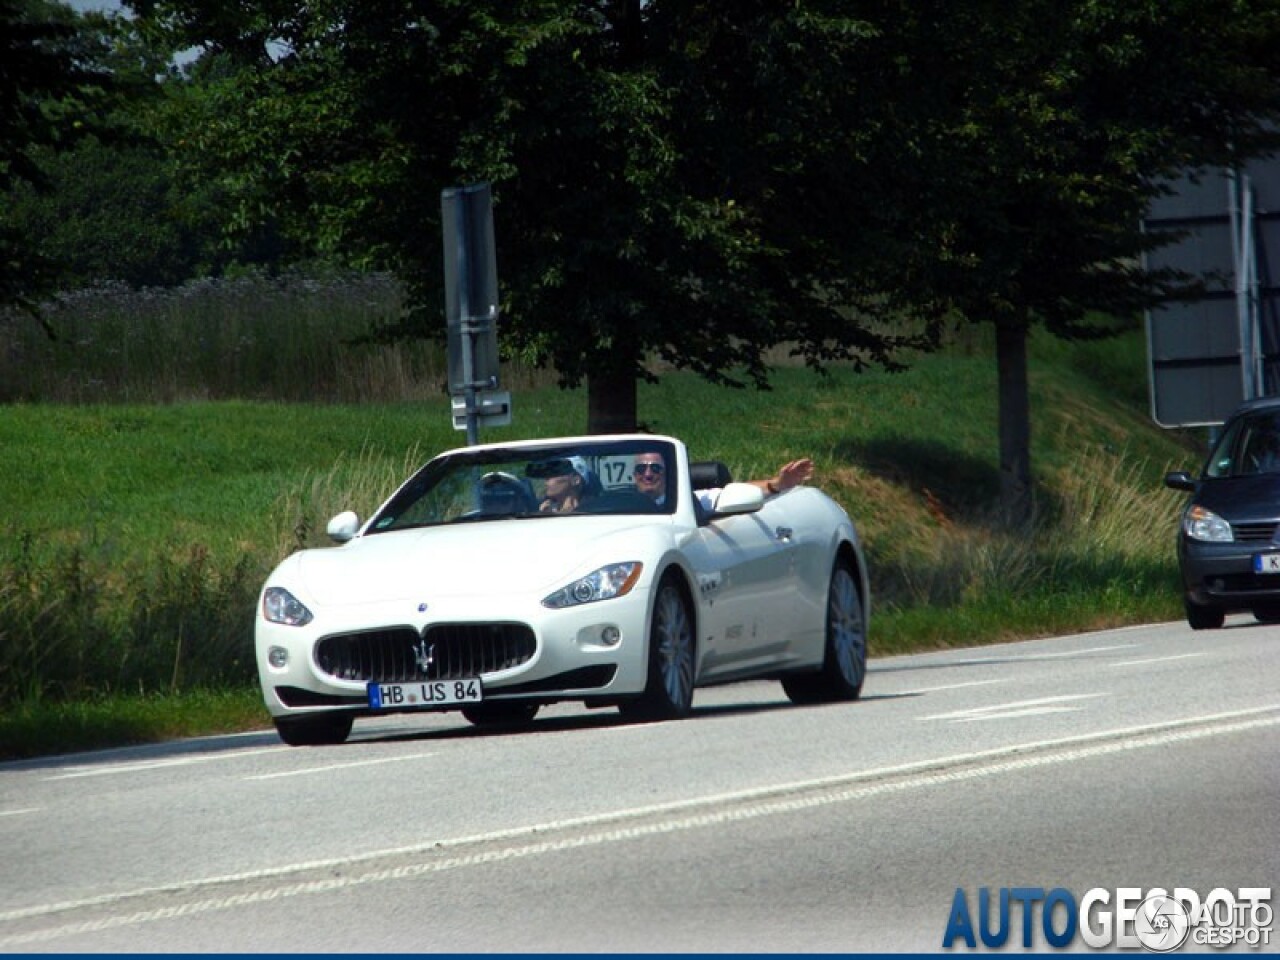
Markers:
point(278, 657)
point(610, 636)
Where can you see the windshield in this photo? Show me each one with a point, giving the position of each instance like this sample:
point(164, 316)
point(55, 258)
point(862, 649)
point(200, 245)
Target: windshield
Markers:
point(635, 476)
point(1249, 445)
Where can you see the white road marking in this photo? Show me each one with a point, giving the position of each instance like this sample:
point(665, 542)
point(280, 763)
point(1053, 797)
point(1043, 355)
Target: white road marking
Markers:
point(329, 767)
point(1018, 714)
point(951, 686)
point(1019, 708)
point(75, 773)
point(1066, 654)
point(19, 811)
point(441, 855)
point(1176, 656)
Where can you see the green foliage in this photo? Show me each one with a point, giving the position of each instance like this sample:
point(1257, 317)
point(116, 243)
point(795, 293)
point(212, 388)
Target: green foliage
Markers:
point(1056, 123)
point(664, 176)
point(108, 215)
point(49, 88)
point(703, 182)
point(46, 86)
point(95, 198)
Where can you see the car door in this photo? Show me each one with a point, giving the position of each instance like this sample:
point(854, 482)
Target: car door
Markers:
point(743, 566)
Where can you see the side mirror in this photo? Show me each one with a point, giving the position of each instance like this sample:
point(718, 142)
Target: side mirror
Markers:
point(344, 526)
point(739, 498)
point(1179, 480)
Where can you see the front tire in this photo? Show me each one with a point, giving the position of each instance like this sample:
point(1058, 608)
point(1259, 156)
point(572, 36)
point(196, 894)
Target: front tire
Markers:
point(844, 664)
point(502, 713)
point(668, 693)
point(318, 730)
point(1204, 617)
point(1267, 613)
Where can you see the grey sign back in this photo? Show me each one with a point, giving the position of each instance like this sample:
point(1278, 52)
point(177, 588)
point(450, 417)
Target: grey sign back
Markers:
point(470, 287)
point(1208, 355)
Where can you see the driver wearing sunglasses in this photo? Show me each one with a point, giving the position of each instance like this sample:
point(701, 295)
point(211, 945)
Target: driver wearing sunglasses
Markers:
point(650, 476)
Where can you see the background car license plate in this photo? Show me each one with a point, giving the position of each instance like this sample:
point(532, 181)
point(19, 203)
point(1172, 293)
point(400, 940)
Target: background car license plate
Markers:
point(424, 693)
point(1266, 563)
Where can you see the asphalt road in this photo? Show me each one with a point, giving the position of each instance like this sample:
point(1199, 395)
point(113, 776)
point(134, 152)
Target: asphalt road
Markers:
point(1137, 758)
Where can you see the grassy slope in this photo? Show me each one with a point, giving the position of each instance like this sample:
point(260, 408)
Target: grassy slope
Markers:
point(912, 456)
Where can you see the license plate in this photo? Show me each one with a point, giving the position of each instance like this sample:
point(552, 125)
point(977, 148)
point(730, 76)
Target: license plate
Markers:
point(1266, 563)
point(424, 693)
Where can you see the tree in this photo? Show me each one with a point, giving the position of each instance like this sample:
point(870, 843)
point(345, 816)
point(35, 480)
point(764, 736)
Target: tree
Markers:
point(1056, 124)
point(49, 92)
point(106, 205)
point(661, 172)
point(700, 182)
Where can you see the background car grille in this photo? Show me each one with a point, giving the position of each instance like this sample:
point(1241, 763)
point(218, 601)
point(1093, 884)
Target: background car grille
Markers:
point(1254, 532)
point(450, 651)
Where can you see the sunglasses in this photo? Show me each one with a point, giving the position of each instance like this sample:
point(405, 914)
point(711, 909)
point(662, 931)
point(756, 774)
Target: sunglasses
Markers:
point(653, 468)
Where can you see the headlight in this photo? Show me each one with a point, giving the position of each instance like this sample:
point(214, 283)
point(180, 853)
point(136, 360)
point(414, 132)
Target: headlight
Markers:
point(615, 580)
point(1202, 524)
point(281, 606)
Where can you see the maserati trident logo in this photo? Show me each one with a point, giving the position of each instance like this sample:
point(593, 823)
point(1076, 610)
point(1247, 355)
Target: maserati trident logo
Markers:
point(424, 654)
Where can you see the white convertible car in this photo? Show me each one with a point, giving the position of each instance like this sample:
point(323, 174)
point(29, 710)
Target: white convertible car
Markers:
point(462, 592)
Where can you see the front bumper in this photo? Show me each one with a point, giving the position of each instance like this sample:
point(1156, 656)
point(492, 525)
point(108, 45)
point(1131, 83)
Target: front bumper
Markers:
point(1222, 574)
point(520, 650)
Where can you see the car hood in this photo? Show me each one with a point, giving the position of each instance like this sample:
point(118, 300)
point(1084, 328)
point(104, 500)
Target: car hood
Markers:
point(1242, 499)
point(464, 560)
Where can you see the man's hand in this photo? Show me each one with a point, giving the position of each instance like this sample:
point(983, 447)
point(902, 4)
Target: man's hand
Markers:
point(792, 475)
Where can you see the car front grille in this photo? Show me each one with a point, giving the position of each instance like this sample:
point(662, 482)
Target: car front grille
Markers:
point(1254, 532)
point(444, 651)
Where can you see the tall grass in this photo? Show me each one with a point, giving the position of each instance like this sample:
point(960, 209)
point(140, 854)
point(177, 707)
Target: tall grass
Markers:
point(286, 337)
point(301, 513)
point(78, 621)
point(1099, 555)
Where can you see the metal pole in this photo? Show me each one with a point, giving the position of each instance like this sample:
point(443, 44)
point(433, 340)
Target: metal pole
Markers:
point(1249, 283)
point(468, 346)
point(1235, 204)
point(468, 365)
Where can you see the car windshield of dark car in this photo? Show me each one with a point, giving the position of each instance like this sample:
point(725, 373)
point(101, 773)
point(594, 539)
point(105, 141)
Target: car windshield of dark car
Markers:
point(1249, 445)
point(543, 483)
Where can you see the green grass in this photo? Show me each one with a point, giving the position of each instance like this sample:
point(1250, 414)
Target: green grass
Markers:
point(41, 729)
point(139, 533)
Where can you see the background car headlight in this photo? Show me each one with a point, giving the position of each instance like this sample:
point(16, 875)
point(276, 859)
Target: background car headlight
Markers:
point(281, 606)
point(1202, 524)
point(615, 580)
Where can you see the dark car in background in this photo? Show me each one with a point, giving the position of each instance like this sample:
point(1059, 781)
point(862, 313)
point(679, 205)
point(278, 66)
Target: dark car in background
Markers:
point(1229, 536)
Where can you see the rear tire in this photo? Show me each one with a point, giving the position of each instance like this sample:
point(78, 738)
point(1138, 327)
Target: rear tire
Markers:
point(844, 664)
point(502, 713)
point(668, 693)
point(1203, 616)
point(321, 729)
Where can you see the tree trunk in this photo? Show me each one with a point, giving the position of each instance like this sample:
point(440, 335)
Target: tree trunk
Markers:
point(1015, 422)
point(611, 403)
point(611, 385)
